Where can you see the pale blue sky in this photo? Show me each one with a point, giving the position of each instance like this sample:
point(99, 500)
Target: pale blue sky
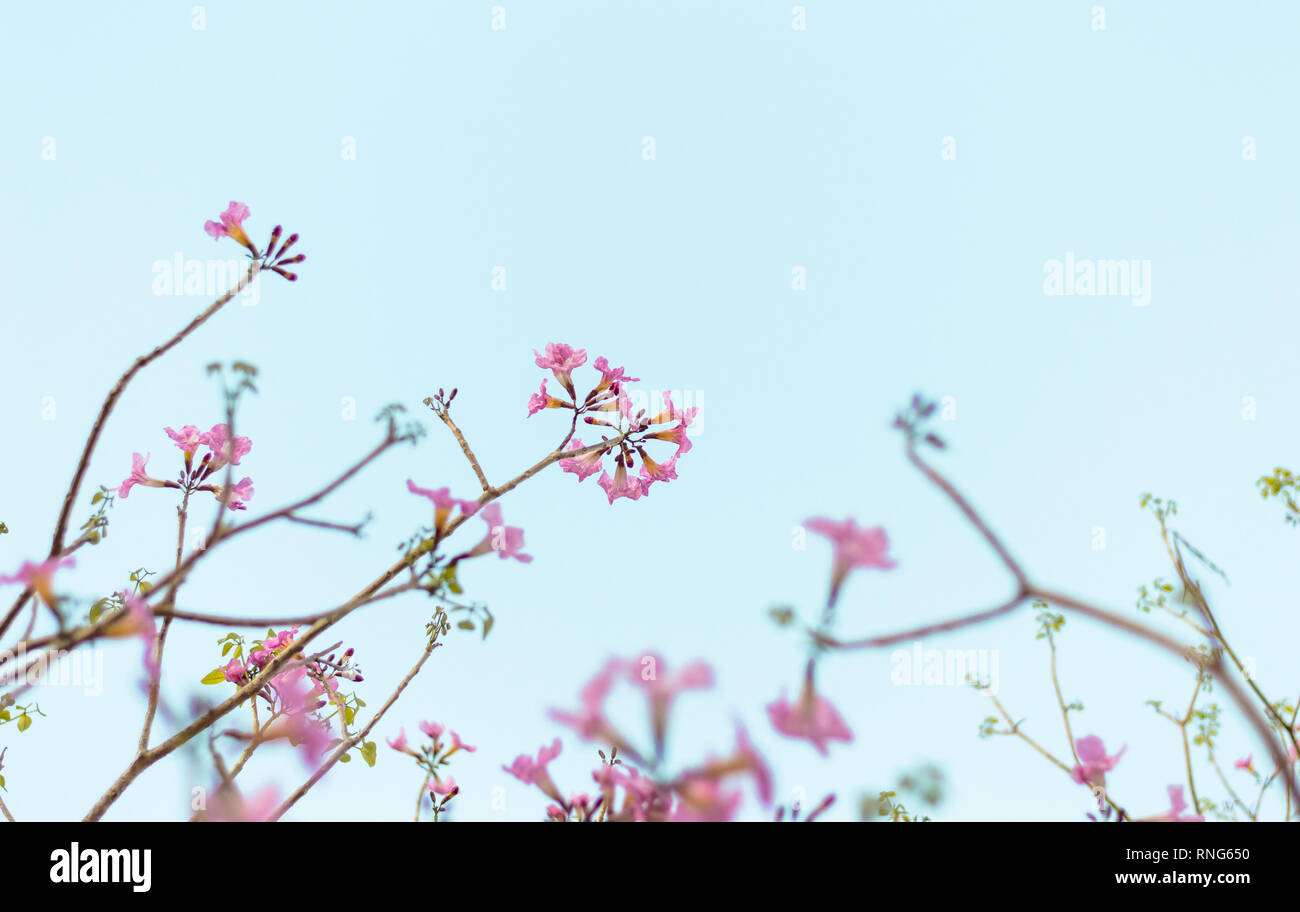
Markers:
point(775, 148)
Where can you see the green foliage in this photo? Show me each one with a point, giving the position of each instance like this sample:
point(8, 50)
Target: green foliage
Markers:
point(1286, 487)
point(1155, 597)
point(1049, 622)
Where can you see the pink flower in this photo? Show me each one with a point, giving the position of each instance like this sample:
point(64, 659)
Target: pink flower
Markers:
point(612, 377)
point(543, 400)
point(457, 744)
point(621, 485)
point(1177, 806)
point(662, 689)
point(534, 772)
point(561, 359)
point(1093, 762)
point(582, 466)
point(704, 801)
point(589, 722)
point(399, 743)
point(228, 806)
point(676, 434)
point(138, 476)
point(39, 577)
point(225, 449)
point(231, 225)
point(235, 671)
point(506, 541)
point(278, 641)
point(673, 413)
point(443, 503)
point(1247, 764)
point(445, 787)
point(433, 729)
point(240, 494)
point(854, 547)
point(813, 718)
point(188, 438)
point(652, 471)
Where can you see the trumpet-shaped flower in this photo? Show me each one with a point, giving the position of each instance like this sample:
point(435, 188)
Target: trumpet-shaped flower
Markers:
point(812, 718)
point(854, 547)
point(534, 772)
point(239, 495)
point(443, 503)
point(231, 225)
point(1093, 762)
point(187, 439)
point(39, 577)
point(561, 359)
point(622, 484)
point(506, 541)
point(138, 476)
point(582, 466)
point(225, 449)
point(543, 400)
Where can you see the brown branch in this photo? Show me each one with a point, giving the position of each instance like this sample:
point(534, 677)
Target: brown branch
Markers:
point(1026, 589)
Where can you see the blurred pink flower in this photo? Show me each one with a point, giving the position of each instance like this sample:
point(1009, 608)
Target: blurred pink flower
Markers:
point(506, 541)
point(589, 721)
point(399, 743)
point(704, 801)
point(534, 772)
point(433, 729)
point(228, 806)
point(1093, 762)
point(854, 547)
point(39, 577)
point(443, 503)
point(812, 718)
point(445, 787)
point(1178, 809)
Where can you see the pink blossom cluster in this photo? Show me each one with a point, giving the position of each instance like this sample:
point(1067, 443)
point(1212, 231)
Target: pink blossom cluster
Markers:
point(223, 450)
point(623, 791)
point(432, 757)
point(296, 692)
point(607, 405)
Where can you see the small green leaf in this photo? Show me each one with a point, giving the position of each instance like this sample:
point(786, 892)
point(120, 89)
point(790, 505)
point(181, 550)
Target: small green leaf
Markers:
point(215, 676)
point(346, 758)
point(369, 752)
point(24, 722)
